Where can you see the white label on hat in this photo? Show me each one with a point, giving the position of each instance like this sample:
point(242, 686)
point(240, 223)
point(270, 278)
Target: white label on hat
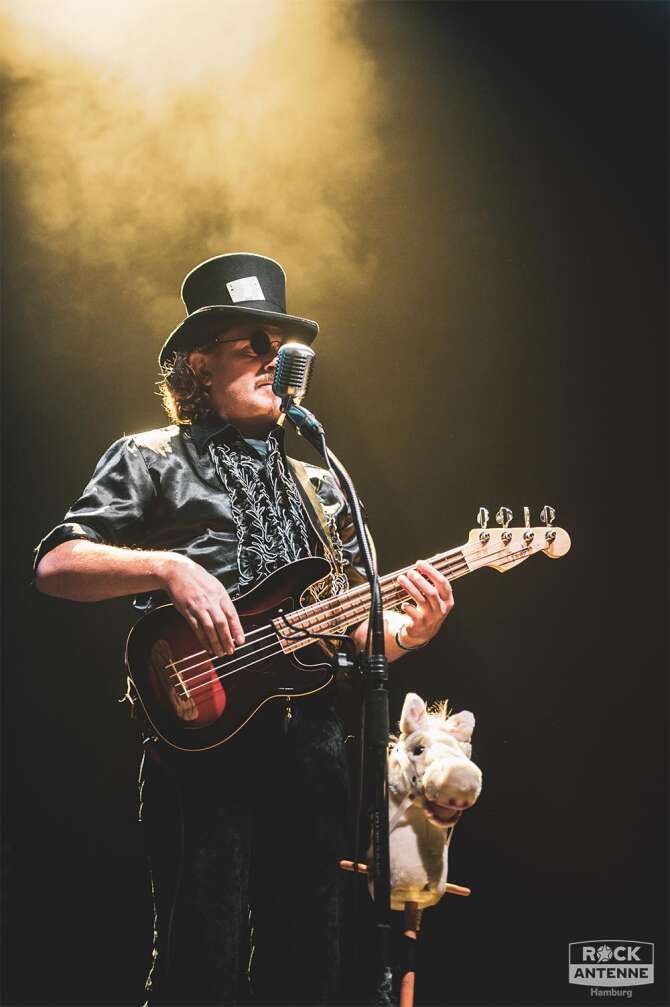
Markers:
point(246, 289)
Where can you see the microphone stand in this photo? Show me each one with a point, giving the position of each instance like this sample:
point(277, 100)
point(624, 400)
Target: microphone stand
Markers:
point(374, 667)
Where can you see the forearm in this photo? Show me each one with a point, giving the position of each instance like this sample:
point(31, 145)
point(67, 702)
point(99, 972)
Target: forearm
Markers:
point(81, 570)
point(394, 622)
point(430, 599)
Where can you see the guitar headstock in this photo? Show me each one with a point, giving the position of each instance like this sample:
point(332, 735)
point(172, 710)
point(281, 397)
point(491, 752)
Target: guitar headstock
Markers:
point(505, 547)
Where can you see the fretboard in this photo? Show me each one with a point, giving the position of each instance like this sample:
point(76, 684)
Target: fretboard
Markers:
point(336, 615)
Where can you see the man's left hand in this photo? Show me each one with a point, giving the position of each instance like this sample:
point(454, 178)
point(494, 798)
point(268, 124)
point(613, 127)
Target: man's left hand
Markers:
point(432, 602)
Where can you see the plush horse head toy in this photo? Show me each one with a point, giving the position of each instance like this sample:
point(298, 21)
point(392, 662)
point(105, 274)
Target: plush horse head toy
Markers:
point(432, 781)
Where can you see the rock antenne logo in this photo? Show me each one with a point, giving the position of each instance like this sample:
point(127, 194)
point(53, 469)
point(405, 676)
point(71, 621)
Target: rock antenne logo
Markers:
point(611, 963)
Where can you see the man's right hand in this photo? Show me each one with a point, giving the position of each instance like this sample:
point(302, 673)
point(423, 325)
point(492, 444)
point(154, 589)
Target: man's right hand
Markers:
point(81, 570)
point(204, 603)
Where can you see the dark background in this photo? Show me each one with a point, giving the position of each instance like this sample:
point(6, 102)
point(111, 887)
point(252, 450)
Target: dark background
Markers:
point(512, 350)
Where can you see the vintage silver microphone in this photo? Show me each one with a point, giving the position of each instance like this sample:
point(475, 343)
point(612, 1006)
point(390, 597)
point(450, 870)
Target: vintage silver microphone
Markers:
point(293, 371)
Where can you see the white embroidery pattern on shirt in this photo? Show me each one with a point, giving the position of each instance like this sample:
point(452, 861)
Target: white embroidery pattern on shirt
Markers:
point(269, 519)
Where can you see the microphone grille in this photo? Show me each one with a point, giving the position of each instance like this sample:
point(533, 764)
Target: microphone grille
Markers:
point(293, 370)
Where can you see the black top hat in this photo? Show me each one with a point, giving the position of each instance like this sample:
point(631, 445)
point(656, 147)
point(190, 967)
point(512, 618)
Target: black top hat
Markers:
point(233, 289)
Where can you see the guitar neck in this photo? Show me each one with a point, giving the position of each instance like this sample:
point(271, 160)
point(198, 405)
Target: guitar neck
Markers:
point(501, 549)
point(336, 615)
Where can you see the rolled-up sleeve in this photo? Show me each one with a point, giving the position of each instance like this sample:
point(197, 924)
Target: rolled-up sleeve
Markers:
point(114, 505)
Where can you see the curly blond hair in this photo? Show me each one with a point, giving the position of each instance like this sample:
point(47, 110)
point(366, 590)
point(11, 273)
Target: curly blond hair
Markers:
point(185, 398)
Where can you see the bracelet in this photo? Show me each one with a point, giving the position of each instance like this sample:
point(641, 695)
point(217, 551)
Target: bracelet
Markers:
point(408, 649)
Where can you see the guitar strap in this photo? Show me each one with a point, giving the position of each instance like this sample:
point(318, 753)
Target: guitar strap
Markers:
point(317, 514)
point(314, 507)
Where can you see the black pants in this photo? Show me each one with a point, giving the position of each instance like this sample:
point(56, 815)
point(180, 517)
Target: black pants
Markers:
point(253, 829)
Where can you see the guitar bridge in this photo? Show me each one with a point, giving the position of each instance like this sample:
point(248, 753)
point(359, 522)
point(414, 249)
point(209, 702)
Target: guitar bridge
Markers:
point(172, 682)
point(187, 694)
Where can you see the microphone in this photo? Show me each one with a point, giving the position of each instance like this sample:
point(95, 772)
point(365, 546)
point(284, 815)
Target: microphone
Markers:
point(293, 371)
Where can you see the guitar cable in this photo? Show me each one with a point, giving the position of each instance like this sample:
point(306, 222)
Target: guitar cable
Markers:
point(298, 633)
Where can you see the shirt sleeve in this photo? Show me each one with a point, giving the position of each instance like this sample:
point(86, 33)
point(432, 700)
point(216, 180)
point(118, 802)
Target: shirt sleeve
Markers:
point(113, 507)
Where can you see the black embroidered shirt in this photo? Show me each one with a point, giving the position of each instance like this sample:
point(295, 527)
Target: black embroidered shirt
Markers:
point(207, 493)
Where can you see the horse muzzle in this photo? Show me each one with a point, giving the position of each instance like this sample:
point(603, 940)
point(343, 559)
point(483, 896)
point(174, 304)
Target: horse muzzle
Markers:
point(451, 789)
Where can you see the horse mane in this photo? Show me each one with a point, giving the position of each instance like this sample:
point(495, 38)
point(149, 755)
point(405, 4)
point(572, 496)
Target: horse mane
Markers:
point(440, 709)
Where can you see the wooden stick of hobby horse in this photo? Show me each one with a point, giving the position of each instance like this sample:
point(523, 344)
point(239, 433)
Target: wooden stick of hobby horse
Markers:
point(411, 925)
point(348, 865)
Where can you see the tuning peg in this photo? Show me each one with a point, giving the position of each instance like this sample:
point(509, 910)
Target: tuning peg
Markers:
point(482, 521)
point(526, 516)
point(504, 516)
point(547, 517)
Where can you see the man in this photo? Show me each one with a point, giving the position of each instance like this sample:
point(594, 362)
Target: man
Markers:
point(196, 513)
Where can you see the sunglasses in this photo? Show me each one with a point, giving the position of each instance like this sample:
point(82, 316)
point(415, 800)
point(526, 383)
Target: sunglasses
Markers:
point(264, 345)
point(261, 344)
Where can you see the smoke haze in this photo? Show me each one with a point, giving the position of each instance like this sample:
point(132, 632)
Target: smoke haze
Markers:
point(145, 137)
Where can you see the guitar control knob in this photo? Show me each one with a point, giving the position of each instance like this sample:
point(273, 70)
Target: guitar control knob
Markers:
point(504, 516)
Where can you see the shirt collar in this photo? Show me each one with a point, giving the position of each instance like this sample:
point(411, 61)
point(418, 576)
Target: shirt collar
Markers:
point(203, 433)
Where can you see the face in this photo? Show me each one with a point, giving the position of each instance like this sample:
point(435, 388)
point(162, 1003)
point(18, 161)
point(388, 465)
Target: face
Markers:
point(240, 381)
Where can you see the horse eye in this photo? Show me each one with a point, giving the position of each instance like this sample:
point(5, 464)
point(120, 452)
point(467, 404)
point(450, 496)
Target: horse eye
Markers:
point(418, 750)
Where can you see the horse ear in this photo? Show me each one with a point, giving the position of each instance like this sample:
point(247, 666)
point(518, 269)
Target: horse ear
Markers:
point(413, 714)
point(461, 725)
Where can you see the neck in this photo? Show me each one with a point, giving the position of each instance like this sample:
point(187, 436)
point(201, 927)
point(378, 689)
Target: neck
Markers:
point(259, 427)
point(260, 433)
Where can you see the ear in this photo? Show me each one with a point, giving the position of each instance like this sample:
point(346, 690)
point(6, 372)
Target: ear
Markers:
point(198, 363)
point(461, 725)
point(413, 714)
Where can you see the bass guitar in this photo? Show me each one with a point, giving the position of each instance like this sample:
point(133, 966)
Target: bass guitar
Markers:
point(195, 701)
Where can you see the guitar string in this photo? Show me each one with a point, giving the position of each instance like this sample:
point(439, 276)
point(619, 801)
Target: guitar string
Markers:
point(314, 608)
point(234, 671)
point(199, 653)
point(207, 659)
point(361, 593)
point(297, 624)
point(212, 681)
point(456, 557)
point(352, 613)
point(390, 599)
point(353, 616)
